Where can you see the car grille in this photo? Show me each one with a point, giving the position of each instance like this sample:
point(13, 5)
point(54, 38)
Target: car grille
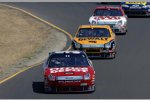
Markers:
point(101, 55)
point(69, 78)
point(111, 25)
point(92, 50)
point(92, 46)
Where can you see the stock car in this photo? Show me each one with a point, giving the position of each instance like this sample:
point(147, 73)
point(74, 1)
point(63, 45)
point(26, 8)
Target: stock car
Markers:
point(68, 71)
point(136, 8)
point(96, 40)
point(113, 16)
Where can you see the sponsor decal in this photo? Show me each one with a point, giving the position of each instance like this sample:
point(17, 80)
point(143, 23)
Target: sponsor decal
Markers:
point(108, 18)
point(91, 38)
point(68, 69)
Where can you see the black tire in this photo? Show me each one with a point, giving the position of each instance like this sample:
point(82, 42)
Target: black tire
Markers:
point(45, 87)
point(93, 90)
point(113, 56)
point(73, 46)
point(125, 32)
point(46, 90)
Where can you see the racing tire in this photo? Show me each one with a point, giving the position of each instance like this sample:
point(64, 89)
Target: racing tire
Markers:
point(93, 90)
point(73, 46)
point(113, 56)
point(46, 90)
point(125, 33)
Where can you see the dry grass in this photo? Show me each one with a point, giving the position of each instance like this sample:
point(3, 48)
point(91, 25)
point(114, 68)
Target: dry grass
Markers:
point(24, 39)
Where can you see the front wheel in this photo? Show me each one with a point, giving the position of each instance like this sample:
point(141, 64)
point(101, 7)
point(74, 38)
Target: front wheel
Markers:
point(46, 88)
point(112, 55)
point(73, 46)
point(93, 90)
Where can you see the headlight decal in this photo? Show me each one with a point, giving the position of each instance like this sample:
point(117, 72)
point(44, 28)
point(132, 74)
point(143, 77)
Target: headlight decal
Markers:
point(76, 44)
point(94, 22)
point(110, 44)
point(87, 76)
point(51, 77)
point(145, 6)
point(119, 22)
point(124, 5)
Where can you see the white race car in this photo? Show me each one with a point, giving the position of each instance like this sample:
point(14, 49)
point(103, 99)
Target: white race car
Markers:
point(113, 16)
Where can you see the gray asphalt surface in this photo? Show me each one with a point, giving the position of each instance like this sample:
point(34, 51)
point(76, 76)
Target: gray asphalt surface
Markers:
point(127, 76)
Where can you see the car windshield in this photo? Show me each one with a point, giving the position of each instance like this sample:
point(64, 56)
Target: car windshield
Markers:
point(68, 60)
point(95, 32)
point(106, 12)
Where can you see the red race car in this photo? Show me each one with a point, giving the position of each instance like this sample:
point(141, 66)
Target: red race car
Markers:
point(68, 71)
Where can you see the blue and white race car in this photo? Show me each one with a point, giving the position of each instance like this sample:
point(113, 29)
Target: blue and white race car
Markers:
point(136, 8)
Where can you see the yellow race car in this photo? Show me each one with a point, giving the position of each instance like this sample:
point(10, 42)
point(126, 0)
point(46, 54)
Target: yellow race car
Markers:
point(97, 41)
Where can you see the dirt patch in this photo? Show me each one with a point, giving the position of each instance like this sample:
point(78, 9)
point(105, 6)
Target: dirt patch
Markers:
point(25, 41)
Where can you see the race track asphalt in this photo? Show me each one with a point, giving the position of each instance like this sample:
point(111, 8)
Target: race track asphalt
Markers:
point(127, 76)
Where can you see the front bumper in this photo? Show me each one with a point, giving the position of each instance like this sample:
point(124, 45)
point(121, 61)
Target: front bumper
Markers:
point(70, 89)
point(69, 86)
